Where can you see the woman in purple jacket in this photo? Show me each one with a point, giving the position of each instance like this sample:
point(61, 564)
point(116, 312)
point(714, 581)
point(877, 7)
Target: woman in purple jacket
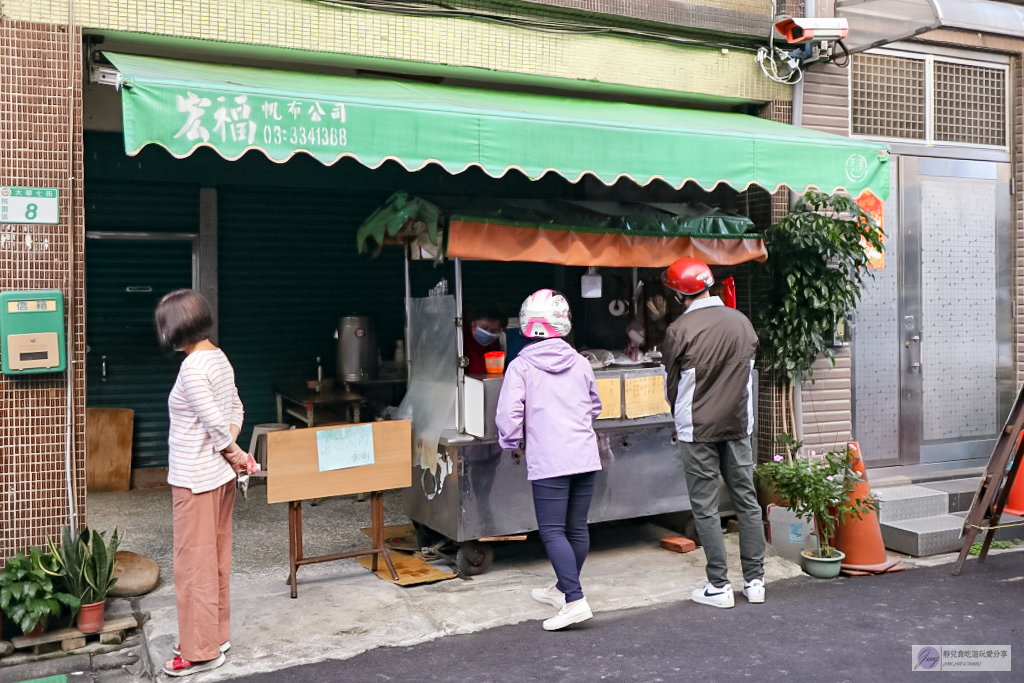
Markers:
point(551, 390)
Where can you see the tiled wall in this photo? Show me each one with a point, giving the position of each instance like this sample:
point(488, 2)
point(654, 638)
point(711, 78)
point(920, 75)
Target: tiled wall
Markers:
point(36, 122)
point(743, 17)
point(449, 41)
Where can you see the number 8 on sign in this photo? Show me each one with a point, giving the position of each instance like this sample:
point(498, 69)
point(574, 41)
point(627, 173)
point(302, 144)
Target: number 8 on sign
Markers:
point(29, 205)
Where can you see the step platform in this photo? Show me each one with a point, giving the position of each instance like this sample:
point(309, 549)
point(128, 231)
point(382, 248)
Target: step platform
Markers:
point(901, 503)
point(924, 535)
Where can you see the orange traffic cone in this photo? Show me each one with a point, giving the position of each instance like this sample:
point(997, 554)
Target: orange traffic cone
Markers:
point(861, 539)
point(1015, 503)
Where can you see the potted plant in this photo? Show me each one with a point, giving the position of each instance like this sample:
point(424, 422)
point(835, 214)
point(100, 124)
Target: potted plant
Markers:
point(27, 594)
point(790, 447)
point(820, 256)
point(817, 489)
point(86, 566)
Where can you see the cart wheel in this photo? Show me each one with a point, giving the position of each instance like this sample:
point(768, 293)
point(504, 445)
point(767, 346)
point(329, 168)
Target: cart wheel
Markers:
point(474, 558)
point(690, 531)
point(425, 536)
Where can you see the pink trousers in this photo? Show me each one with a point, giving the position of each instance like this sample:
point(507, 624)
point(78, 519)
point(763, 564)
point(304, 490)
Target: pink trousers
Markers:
point(202, 569)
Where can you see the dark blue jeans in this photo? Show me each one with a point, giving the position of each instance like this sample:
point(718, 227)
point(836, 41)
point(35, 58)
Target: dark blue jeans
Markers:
point(562, 505)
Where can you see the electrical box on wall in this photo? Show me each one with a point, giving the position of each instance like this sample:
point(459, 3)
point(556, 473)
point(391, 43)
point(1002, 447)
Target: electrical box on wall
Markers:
point(32, 332)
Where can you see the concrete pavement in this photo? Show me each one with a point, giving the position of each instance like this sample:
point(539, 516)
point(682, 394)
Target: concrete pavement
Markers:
point(343, 610)
point(809, 631)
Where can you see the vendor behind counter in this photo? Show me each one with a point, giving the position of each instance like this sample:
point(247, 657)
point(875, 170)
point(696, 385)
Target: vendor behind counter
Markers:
point(598, 323)
point(482, 334)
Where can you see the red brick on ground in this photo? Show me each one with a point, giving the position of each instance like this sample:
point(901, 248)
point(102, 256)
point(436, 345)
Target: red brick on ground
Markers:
point(678, 544)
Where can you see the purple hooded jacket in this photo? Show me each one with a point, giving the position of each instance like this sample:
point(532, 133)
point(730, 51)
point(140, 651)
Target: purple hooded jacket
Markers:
point(553, 388)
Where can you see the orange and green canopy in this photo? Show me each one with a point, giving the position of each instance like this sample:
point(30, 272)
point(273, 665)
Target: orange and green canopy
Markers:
point(568, 233)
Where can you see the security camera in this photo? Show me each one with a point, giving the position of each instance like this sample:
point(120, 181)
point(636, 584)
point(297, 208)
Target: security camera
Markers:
point(805, 30)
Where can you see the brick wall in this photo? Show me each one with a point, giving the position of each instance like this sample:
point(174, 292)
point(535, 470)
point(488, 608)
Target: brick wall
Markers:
point(34, 109)
point(771, 418)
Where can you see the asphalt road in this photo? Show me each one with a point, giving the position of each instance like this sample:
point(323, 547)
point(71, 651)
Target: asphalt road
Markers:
point(855, 630)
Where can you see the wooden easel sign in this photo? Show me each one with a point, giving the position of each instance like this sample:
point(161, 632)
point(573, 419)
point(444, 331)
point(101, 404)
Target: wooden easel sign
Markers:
point(338, 460)
point(303, 464)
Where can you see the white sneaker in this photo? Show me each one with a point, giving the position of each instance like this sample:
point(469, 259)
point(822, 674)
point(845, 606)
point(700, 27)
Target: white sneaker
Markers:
point(224, 647)
point(754, 591)
point(569, 615)
point(716, 597)
point(549, 596)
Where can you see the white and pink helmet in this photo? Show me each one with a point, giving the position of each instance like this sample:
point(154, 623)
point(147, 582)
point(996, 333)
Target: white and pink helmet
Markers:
point(545, 314)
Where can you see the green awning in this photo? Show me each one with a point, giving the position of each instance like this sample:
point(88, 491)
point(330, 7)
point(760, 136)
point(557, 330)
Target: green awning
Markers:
point(183, 105)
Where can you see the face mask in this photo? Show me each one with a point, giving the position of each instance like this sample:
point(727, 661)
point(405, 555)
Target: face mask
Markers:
point(485, 337)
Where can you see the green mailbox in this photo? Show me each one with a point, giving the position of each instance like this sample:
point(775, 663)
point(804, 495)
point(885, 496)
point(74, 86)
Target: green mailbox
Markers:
point(32, 331)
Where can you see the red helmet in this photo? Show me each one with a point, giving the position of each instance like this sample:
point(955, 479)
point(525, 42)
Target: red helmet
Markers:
point(688, 276)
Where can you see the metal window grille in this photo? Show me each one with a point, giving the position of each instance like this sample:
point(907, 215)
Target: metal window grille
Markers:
point(970, 104)
point(929, 99)
point(889, 97)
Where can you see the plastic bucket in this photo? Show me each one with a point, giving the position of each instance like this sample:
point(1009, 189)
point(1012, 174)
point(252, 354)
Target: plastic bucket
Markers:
point(494, 361)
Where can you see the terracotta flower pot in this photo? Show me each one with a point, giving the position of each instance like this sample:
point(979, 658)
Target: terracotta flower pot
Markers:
point(767, 495)
point(90, 617)
point(37, 630)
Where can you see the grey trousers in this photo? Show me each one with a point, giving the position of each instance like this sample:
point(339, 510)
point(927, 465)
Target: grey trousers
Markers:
point(702, 463)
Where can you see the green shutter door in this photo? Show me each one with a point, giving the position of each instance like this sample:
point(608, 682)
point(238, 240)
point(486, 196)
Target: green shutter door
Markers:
point(124, 281)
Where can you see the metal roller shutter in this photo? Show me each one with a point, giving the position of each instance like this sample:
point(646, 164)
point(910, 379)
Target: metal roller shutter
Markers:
point(124, 282)
point(119, 323)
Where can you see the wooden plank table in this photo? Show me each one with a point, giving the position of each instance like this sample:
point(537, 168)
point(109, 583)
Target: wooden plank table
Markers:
point(301, 402)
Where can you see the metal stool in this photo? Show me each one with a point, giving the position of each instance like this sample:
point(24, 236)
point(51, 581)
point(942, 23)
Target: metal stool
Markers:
point(258, 443)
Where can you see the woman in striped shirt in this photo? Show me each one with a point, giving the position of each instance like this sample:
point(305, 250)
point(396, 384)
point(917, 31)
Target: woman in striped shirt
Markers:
point(203, 459)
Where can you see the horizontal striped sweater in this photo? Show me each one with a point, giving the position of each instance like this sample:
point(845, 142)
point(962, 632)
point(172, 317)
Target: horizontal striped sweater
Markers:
point(203, 406)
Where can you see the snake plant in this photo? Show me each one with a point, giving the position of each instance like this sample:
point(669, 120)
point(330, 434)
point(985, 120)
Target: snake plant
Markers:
point(85, 562)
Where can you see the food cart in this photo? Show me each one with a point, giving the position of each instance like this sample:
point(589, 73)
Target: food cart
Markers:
point(465, 488)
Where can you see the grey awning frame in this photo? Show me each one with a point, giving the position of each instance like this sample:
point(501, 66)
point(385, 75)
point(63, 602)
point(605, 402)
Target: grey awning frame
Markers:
point(874, 23)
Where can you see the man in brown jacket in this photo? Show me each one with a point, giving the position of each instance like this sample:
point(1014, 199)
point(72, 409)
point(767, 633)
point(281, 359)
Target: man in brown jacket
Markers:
point(709, 358)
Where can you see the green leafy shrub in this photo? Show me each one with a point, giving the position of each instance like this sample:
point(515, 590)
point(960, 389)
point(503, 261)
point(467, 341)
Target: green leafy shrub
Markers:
point(27, 593)
point(818, 265)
